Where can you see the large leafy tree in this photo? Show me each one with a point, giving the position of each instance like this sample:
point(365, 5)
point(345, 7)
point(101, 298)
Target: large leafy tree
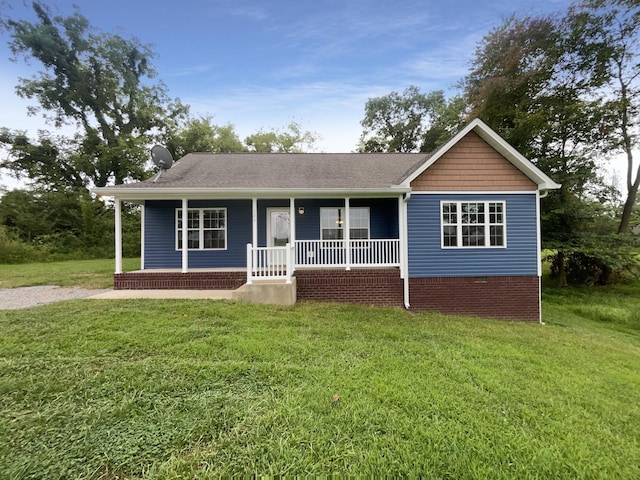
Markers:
point(101, 82)
point(410, 121)
point(606, 49)
point(524, 84)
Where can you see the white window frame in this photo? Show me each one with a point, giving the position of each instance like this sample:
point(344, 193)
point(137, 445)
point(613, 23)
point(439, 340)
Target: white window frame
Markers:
point(487, 224)
point(351, 218)
point(201, 228)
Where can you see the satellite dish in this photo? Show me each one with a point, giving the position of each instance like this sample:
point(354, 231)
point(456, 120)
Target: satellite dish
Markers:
point(162, 158)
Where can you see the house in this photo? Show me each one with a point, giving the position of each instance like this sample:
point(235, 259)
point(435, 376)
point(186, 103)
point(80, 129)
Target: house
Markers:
point(455, 231)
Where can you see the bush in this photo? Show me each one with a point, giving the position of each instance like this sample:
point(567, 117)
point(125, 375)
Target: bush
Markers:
point(13, 250)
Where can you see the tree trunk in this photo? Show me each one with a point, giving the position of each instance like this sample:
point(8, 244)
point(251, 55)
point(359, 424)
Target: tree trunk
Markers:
point(628, 206)
point(562, 273)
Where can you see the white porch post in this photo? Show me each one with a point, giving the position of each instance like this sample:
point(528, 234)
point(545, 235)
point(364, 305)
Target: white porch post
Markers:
point(254, 222)
point(292, 239)
point(118, 212)
point(401, 234)
point(347, 235)
point(185, 236)
point(404, 246)
point(142, 208)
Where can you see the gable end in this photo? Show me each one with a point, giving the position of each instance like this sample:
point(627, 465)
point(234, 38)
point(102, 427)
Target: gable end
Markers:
point(472, 165)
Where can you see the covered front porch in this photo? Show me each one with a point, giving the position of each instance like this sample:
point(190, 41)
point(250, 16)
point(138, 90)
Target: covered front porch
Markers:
point(269, 237)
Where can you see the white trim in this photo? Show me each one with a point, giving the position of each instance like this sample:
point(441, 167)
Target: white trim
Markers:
point(142, 217)
point(118, 235)
point(134, 194)
point(538, 236)
point(404, 247)
point(476, 192)
point(500, 145)
point(270, 210)
point(254, 221)
point(185, 235)
point(347, 233)
point(486, 225)
point(201, 228)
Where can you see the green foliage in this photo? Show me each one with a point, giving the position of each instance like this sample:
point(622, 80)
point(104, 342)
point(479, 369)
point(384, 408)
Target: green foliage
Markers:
point(198, 389)
point(64, 224)
point(291, 140)
point(200, 135)
point(98, 81)
point(410, 121)
point(13, 250)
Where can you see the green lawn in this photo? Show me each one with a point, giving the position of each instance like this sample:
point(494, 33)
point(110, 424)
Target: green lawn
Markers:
point(192, 389)
point(83, 273)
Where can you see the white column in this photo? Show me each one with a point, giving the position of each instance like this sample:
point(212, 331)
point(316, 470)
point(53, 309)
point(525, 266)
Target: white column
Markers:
point(254, 221)
point(347, 234)
point(404, 259)
point(185, 236)
point(292, 235)
point(142, 209)
point(401, 234)
point(118, 213)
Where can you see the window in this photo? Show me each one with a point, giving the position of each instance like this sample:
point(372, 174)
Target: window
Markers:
point(206, 228)
point(332, 219)
point(473, 224)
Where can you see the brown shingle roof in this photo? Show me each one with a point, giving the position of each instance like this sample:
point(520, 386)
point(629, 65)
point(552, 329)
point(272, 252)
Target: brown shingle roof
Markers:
point(286, 171)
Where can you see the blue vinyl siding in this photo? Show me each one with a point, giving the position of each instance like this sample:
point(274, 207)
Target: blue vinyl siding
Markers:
point(383, 216)
point(160, 228)
point(428, 259)
point(160, 235)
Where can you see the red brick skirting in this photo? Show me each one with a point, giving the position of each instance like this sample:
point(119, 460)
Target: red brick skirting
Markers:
point(375, 286)
point(179, 281)
point(512, 298)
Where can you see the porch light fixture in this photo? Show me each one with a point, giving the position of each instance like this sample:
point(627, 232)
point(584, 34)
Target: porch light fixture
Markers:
point(301, 210)
point(339, 221)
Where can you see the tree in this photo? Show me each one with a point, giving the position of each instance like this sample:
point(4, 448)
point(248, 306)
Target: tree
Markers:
point(98, 81)
point(607, 50)
point(291, 140)
point(201, 135)
point(50, 163)
point(409, 121)
point(524, 85)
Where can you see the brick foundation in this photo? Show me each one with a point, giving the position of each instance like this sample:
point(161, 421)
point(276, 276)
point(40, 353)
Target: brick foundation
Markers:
point(148, 280)
point(375, 286)
point(510, 298)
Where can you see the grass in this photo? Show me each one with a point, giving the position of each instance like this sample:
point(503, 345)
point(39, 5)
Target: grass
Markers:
point(198, 389)
point(83, 273)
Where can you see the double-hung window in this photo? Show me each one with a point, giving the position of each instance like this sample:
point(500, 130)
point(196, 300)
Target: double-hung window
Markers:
point(473, 224)
point(332, 223)
point(206, 228)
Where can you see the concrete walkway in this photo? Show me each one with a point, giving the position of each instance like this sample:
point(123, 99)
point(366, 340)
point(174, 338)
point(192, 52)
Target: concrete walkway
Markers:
point(187, 294)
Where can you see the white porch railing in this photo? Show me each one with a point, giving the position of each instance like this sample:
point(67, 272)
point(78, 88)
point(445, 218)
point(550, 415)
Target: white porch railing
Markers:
point(277, 263)
point(269, 263)
point(362, 253)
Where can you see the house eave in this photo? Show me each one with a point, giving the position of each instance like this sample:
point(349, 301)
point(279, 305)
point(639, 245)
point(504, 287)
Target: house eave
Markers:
point(136, 194)
point(536, 175)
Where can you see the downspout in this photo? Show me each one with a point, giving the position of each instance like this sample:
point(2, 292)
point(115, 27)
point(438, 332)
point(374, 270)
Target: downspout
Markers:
point(539, 252)
point(404, 262)
point(118, 235)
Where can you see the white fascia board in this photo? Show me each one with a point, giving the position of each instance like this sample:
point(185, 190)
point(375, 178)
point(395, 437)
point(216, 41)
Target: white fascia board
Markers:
point(140, 194)
point(500, 145)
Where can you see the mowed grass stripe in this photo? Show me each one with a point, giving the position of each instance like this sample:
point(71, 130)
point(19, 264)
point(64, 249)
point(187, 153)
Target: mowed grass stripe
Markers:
point(189, 389)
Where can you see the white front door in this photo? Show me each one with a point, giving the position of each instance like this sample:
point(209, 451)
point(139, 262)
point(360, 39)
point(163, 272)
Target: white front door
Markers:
point(278, 232)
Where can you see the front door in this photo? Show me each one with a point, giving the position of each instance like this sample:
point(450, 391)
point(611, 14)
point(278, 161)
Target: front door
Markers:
point(278, 233)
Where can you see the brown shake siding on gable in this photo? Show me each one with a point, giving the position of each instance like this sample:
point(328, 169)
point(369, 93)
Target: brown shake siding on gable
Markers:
point(472, 165)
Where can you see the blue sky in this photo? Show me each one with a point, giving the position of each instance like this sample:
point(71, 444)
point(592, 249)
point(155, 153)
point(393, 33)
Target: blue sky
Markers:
point(263, 64)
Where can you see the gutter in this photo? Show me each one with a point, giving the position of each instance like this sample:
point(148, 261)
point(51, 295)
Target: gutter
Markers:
point(405, 251)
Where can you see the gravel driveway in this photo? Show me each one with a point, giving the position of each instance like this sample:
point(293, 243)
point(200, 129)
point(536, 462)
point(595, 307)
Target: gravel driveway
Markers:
point(24, 297)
